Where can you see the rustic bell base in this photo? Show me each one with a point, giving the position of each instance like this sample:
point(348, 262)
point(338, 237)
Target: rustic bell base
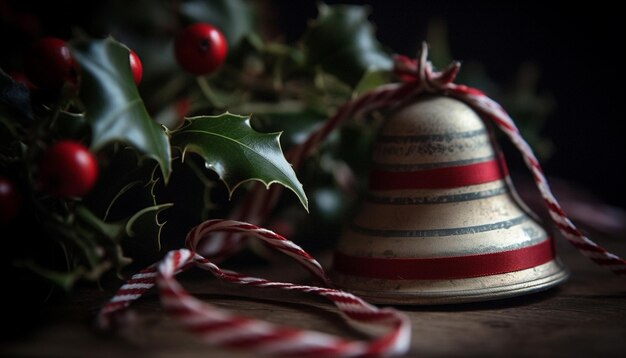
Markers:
point(433, 292)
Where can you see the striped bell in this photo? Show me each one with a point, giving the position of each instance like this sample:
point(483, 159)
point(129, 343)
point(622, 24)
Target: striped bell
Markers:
point(441, 221)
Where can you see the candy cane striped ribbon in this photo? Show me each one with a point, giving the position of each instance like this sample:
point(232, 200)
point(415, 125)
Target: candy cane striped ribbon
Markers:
point(218, 327)
point(419, 77)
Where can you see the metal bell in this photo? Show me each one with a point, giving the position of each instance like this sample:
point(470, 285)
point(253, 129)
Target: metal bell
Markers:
point(441, 221)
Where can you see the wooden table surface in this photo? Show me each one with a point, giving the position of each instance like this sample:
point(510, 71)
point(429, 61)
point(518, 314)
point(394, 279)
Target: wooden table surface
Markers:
point(586, 316)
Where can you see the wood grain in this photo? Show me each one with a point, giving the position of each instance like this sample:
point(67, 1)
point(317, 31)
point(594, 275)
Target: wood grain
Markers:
point(586, 316)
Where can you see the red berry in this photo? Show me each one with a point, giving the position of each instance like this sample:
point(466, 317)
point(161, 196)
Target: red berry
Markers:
point(10, 201)
point(200, 48)
point(68, 169)
point(49, 63)
point(136, 67)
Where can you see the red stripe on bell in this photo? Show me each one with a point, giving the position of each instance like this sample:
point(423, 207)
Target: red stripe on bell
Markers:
point(444, 268)
point(440, 178)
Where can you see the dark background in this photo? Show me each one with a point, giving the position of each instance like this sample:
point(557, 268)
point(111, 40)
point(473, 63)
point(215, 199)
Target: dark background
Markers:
point(578, 48)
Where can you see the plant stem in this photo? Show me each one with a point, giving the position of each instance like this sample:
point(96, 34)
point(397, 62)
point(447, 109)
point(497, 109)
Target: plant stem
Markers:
point(208, 92)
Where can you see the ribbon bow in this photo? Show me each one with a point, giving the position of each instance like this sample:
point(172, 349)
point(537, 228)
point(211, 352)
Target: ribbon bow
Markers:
point(421, 70)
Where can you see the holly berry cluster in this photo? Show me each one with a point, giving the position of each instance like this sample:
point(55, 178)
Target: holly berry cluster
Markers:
point(99, 148)
point(66, 168)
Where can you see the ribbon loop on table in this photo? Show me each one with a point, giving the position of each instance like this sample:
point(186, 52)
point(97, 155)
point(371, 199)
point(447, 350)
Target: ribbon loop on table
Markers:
point(390, 328)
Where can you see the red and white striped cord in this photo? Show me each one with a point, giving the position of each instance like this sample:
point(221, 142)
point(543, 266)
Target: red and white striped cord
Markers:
point(221, 328)
point(391, 329)
point(492, 111)
point(259, 203)
point(419, 77)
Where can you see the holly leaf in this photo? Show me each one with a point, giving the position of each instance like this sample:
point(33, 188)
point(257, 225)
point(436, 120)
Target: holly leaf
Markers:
point(106, 236)
point(295, 126)
point(146, 222)
point(141, 239)
point(370, 80)
point(125, 196)
point(112, 103)
point(65, 280)
point(238, 153)
point(70, 125)
point(342, 42)
point(125, 185)
point(90, 244)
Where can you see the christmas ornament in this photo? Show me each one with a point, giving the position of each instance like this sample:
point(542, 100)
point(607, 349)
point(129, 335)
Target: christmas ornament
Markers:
point(420, 79)
point(441, 221)
point(214, 326)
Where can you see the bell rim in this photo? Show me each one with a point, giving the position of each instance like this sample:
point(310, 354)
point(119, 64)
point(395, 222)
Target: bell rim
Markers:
point(516, 289)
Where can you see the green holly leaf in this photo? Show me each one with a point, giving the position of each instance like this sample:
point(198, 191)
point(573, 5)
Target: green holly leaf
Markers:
point(90, 244)
point(125, 195)
point(372, 79)
point(296, 126)
point(106, 236)
point(65, 280)
point(342, 42)
point(238, 154)
point(125, 185)
point(146, 223)
point(106, 232)
point(70, 125)
point(112, 103)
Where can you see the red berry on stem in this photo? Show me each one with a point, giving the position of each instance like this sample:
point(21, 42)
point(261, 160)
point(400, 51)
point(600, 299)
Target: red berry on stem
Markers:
point(10, 201)
point(136, 67)
point(68, 169)
point(49, 63)
point(200, 48)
